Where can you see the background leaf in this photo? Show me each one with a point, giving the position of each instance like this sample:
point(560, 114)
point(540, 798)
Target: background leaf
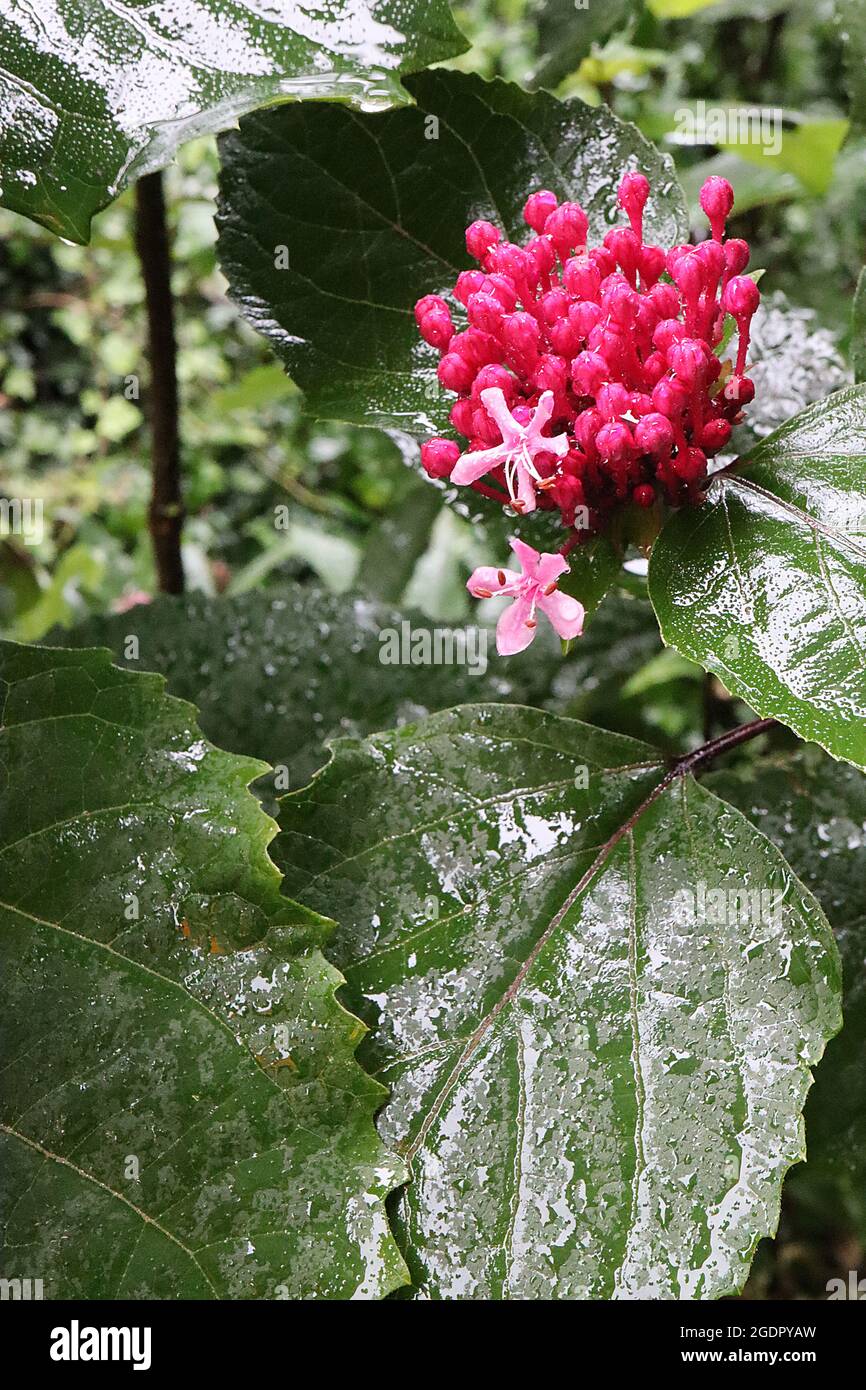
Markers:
point(182, 1113)
point(276, 674)
point(765, 584)
point(93, 95)
point(394, 193)
point(597, 1096)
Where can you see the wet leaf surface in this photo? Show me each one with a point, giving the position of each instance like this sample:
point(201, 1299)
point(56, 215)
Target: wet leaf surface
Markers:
point(598, 1096)
point(182, 1113)
point(394, 193)
point(93, 95)
point(765, 584)
point(815, 811)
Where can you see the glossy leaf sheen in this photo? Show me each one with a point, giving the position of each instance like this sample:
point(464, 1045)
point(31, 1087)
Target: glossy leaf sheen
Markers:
point(373, 210)
point(598, 1098)
point(94, 94)
point(765, 584)
point(182, 1112)
point(815, 811)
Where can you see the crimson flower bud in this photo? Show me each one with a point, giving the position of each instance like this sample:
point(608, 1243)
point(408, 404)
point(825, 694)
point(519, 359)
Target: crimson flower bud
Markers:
point(520, 334)
point(615, 442)
point(543, 256)
point(651, 263)
point(427, 303)
point(567, 227)
point(437, 327)
point(538, 208)
point(736, 255)
point(715, 435)
point(551, 374)
point(666, 333)
point(739, 389)
point(603, 261)
point(461, 416)
point(741, 297)
point(612, 400)
point(670, 397)
point(584, 317)
point(665, 301)
point(717, 200)
point(644, 495)
point(632, 197)
point(438, 457)
point(456, 373)
point(654, 435)
point(554, 306)
point(688, 361)
point(494, 375)
point(480, 236)
point(588, 371)
point(581, 277)
point(625, 246)
point(468, 282)
point(485, 312)
point(690, 465)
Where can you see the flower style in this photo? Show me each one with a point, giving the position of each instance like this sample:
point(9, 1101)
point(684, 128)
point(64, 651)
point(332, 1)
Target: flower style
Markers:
point(521, 445)
point(534, 587)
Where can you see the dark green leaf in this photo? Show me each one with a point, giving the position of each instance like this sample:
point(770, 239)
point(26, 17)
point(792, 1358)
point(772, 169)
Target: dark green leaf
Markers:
point(373, 209)
point(765, 584)
point(598, 1095)
point(815, 811)
point(93, 95)
point(182, 1112)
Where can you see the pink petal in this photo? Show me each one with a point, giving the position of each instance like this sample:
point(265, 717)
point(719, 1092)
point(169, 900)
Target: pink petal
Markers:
point(471, 467)
point(543, 412)
point(486, 580)
point(528, 557)
point(565, 613)
point(512, 633)
point(550, 567)
point(493, 400)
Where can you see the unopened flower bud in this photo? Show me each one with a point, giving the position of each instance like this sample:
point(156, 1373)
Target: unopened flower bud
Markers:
point(717, 200)
point(480, 236)
point(538, 208)
point(438, 457)
point(632, 196)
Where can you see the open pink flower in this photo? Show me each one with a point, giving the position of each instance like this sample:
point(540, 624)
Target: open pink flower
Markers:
point(518, 450)
point(535, 587)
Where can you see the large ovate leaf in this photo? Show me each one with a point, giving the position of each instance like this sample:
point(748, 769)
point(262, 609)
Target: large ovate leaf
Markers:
point(815, 811)
point(598, 1085)
point(372, 211)
point(765, 583)
point(182, 1112)
point(94, 94)
point(276, 674)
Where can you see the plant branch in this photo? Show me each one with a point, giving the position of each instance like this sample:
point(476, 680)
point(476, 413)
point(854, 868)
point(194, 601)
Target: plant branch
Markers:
point(166, 501)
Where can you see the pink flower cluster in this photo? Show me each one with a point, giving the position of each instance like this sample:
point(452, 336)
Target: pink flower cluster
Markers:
point(588, 378)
